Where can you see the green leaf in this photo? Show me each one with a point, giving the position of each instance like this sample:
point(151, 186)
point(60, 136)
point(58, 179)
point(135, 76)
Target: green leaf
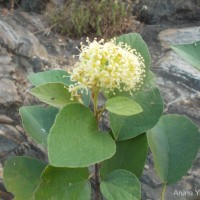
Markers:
point(56, 76)
point(54, 94)
point(130, 155)
point(189, 52)
point(37, 121)
point(63, 184)
point(21, 176)
point(86, 97)
point(135, 41)
point(125, 127)
point(51, 76)
point(74, 140)
point(121, 184)
point(174, 142)
point(123, 106)
point(151, 80)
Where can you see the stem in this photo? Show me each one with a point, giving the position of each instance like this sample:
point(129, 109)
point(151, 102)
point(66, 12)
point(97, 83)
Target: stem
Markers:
point(163, 192)
point(97, 165)
point(95, 102)
point(97, 182)
point(100, 113)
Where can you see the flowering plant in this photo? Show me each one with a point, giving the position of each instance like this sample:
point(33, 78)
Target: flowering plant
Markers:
point(88, 161)
point(107, 66)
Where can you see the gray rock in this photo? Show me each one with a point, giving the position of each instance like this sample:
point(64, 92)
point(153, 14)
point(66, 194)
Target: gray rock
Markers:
point(152, 187)
point(6, 69)
point(179, 82)
point(32, 22)
point(154, 11)
point(6, 120)
point(1, 172)
point(20, 129)
point(10, 139)
point(12, 133)
point(178, 36)
point(8, 93)
point(8, 36)
point(33, 6)
point(21, 53)
point(5, 60)
point(20, 41)
point(58, 3)
point(13, 142)
point(180, 191)
point(7, 145)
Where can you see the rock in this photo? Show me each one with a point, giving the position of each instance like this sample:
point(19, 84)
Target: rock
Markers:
point(5, 58)
point(11, 133)
point(22, 52)
point(5, 119)
point(1, 172)
point(150, 177)
point(155, 11)
point(7, 36)
point(33, 6)
point(179, 81)
point(30, 51)
point(20, 41)
point(13, 142)
point(32, 22)
point(152, 185)
point(146, 167)
point(7, 145)
point(58, 3)
point(20, 129)
point(178, 36)
point(4, 195)
point(180, 191)
point(8, 93)
point(6, 70)
point(179, 84)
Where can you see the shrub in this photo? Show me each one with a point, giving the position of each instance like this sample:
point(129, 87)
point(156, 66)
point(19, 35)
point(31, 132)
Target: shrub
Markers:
point(96, 17)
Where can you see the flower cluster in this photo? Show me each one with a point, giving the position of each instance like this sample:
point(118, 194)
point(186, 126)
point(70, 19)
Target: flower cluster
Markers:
point(107, 66)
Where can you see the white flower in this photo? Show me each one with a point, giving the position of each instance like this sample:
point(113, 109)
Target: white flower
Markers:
point(107, 66)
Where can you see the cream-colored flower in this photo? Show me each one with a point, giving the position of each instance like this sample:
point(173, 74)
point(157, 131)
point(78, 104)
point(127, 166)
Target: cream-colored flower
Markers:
point(107, 66)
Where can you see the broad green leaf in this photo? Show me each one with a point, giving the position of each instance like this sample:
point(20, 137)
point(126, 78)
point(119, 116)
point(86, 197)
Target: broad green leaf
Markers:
point(189, 52)
point(54, 94)
point(63, 184)
point(125, 127)
point(37, 121)
point(74, 140)
point(21, 176)
point(174, 142)
point(121, 185)
point(123, 106)
point(51, 76)
point(86, 97)
point(130, 155)
point(151, 80)
point(56, 76)
point(135, 41)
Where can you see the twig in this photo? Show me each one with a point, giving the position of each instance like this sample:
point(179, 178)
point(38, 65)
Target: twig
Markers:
point(46, 30)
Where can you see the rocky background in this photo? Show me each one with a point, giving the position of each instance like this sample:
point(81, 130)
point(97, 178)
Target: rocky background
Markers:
point(27, 45)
